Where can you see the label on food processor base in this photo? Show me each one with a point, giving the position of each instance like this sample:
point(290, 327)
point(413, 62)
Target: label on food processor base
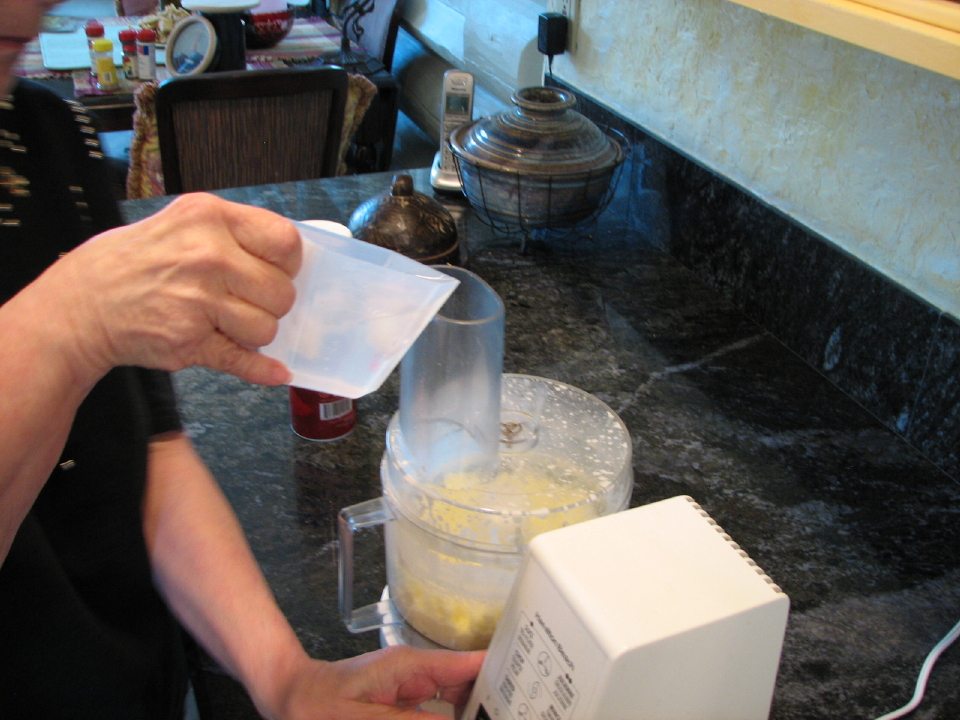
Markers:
point(536, 682)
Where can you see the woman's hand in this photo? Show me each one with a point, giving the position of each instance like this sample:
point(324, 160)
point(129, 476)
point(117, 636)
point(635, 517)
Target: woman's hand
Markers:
point(389, 683)
point(202, 282)
point(208, 576)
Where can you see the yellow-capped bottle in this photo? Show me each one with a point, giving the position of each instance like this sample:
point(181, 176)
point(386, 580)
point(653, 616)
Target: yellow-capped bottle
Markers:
point(103, 67)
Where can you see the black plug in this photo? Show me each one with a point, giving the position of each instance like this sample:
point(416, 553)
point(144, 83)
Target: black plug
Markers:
point(552, 36)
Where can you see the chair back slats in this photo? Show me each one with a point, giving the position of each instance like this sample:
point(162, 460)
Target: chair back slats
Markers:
point(225, 130)
point(267, 140)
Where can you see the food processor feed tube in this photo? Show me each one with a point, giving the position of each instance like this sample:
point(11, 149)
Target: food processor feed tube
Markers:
point(447, 428)
point(450, 388)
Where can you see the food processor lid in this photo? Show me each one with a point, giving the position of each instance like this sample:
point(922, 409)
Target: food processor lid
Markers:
point(561, 449)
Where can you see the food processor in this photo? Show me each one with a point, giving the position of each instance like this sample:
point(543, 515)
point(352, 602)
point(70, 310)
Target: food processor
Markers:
point(477, 463)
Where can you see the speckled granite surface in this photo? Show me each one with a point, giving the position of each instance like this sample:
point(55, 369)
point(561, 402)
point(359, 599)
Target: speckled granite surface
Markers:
point(860, 530)
point(893, 353)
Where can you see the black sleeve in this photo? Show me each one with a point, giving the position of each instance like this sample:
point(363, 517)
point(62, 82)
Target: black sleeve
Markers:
point(161, 400)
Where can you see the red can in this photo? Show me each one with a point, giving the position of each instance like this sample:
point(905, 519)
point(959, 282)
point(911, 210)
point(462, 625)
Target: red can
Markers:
point(318, 416)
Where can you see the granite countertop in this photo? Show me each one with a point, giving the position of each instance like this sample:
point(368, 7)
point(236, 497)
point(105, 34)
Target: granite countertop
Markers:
point(858, 529)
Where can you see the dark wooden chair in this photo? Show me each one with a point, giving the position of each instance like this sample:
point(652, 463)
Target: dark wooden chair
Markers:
point(251, 127)
point(380, 27)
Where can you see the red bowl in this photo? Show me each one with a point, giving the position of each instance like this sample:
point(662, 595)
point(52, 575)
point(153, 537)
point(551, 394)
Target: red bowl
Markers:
point(264, 30)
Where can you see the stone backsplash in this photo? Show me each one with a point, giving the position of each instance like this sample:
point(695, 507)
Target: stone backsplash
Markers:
point(893, 353)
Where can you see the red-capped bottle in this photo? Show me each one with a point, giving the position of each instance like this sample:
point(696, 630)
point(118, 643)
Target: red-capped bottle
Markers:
point(128, 41)
point(94, 30)
point(105, 70)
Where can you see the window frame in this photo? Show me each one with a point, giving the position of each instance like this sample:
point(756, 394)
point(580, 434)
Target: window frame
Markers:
point(925, 33)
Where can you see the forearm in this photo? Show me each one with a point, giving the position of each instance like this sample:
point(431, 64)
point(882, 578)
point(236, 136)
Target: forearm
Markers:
point(42, 383)
point(201, 282)
point(208, 575)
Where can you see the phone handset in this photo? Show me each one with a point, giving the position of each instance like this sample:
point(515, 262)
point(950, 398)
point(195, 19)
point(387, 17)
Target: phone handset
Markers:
point(456, 109)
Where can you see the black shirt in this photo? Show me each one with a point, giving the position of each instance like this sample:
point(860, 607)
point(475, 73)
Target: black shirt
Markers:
point(83, 632)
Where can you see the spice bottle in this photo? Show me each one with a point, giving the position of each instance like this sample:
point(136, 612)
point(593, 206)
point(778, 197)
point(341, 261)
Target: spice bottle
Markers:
point(94, 30)
point(128, 41)
point(146, 54)
point(103, 67)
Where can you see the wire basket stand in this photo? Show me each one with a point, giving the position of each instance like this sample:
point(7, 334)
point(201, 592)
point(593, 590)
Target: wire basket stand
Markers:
point(553, 222)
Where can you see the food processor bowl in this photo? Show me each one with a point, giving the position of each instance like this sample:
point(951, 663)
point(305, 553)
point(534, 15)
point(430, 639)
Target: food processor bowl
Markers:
point(454, 546)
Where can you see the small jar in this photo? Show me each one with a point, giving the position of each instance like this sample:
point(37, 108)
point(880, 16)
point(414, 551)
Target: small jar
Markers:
point(94, 31)
point(104, 69)
point(146, 54)
point(128, 41)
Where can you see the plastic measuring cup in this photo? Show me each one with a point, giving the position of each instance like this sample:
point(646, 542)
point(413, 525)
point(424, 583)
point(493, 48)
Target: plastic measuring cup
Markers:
point(359, 307)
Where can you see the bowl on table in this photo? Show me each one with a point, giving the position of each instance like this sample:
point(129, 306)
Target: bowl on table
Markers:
point(264, 30)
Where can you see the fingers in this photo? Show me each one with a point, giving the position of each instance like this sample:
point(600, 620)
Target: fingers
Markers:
point(220, 353)
point(246, 324)
point(454, 673)
point(261, 253)
point(265, 235)
point(417, 675)
point(219, 276)
point(260, 233)
point(202, 282)
point(387, 684)
point(263, 286)
point(450, 669)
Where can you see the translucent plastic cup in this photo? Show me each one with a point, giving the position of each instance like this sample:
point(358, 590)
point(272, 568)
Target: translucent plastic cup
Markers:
point(359, 307)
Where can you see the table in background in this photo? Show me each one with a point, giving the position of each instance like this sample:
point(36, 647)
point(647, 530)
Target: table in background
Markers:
point(309, 38)
point(857, 528)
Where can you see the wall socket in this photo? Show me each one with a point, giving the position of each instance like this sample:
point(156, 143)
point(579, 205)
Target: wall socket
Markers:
point(571, 9)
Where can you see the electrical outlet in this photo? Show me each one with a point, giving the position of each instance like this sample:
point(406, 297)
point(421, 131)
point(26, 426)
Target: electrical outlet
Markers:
point(571, 9)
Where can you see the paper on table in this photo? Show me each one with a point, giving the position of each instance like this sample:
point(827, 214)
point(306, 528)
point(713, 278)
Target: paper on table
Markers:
point(69, 51)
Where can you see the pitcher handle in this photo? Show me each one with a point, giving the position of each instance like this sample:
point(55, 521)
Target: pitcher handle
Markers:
point(370, 617)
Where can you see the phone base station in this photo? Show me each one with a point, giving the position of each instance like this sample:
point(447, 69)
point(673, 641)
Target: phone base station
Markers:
point(444, 180)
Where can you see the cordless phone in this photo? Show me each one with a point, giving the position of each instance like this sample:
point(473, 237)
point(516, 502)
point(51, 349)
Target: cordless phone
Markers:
point(456, 109)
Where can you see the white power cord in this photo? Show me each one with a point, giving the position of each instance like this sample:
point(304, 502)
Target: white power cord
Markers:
point(925, 671)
